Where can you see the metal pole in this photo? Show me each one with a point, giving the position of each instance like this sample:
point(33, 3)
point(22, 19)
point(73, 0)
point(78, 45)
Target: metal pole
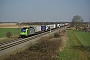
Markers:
point(19, 26)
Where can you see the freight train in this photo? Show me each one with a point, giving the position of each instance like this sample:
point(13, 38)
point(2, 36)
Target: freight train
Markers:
point(29, 31)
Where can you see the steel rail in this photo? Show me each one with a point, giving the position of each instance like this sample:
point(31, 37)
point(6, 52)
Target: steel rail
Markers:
point(8, 44)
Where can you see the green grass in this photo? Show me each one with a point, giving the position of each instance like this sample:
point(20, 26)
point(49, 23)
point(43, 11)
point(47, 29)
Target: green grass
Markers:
point(83, 36)
point(3, 31)
point(76, 48)
point(68, 53)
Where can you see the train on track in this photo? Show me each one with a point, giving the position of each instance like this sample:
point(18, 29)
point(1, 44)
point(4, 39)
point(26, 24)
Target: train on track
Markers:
point(29, 31)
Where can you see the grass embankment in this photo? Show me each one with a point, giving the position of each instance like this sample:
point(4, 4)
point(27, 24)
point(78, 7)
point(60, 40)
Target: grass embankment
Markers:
point(76, 47)
point(46, 49)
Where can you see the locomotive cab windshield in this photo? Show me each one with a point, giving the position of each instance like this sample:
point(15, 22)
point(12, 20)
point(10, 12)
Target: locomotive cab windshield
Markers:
point(23, 30)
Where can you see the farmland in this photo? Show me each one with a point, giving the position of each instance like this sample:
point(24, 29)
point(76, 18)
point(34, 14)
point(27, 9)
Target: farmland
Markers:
point(77, 47)
point(3, 31)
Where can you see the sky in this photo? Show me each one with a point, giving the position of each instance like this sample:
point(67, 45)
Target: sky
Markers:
point(43, 10)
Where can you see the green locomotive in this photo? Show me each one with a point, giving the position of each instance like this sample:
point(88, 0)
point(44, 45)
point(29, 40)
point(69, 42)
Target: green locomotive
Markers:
point(25, 32)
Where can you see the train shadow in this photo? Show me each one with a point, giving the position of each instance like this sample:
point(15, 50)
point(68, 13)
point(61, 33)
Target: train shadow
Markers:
point(81, 47)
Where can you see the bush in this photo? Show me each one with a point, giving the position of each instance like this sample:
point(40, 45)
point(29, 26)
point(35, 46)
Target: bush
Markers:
point(8, 34)
point(56, 35)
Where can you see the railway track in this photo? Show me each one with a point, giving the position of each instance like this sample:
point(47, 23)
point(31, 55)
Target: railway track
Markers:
point(18, 45)
point(8, 44)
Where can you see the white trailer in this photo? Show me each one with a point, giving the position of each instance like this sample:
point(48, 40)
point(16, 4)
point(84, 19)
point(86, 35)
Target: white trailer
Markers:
point(54, 25)
point(47, 27)
point(58, 25)
point(37, 28)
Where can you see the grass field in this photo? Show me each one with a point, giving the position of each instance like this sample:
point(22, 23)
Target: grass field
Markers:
point(85, 37)
point(3, 31)
point(77, 47)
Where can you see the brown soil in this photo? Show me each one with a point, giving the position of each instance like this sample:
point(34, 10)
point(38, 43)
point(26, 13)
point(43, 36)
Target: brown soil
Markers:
point(64, 39)
point(12, 26)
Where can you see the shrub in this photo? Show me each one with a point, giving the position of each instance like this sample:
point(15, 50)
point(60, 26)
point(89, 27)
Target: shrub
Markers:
point(8, 34)
point(56, 35)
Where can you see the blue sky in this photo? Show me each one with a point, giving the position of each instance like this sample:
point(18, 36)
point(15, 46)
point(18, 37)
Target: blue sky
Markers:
point(43, 10)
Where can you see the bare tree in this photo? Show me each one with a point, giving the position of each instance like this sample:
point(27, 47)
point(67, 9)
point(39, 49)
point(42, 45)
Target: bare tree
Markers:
point(77, 21)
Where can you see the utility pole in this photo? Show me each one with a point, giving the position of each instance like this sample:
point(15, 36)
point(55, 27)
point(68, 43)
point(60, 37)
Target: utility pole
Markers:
point(19, 27)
